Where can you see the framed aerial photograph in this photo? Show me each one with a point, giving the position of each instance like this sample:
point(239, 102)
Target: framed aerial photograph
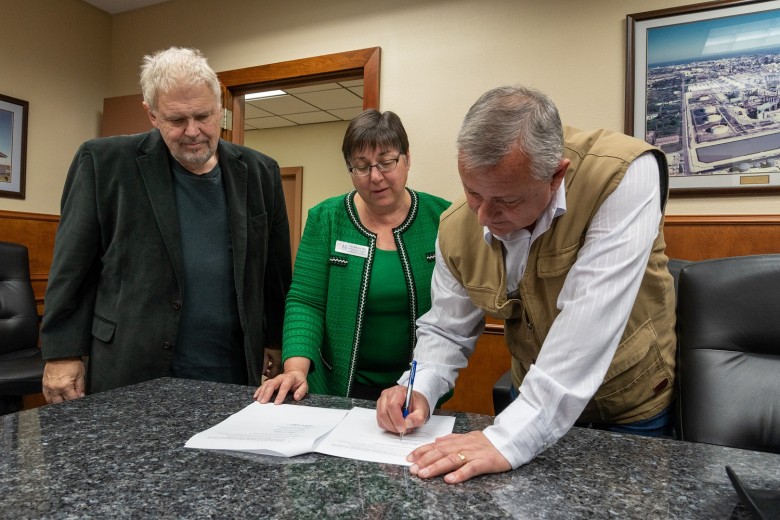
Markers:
point(703, 85)
point(13, 146)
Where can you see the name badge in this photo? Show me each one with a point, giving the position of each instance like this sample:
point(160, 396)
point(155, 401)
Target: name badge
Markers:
point(351, 249)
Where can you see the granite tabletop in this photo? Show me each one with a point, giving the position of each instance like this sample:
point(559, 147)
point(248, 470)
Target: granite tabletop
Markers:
point(120, 454)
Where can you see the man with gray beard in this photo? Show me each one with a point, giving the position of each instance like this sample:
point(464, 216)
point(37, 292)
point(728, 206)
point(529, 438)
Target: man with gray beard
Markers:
point(172, 256)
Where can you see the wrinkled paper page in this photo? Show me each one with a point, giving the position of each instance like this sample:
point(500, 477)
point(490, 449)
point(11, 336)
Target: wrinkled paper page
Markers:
point(281, 430)
point(289, 430)
point(357, 436)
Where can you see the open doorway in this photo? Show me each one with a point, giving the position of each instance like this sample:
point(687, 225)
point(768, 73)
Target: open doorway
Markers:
point(340, 66)
point(300, 78)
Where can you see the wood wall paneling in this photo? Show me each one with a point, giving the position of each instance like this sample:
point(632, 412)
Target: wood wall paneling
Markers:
point(704, 237)
point(124, 115)
point(474, 387)
point(687, 238)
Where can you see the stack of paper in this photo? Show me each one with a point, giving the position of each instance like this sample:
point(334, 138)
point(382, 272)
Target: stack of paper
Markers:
point(289, 430)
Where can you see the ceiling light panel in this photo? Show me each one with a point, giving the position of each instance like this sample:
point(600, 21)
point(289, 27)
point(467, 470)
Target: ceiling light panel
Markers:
point(308, 104)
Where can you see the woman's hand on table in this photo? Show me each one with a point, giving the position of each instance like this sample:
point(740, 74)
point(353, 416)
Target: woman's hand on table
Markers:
point(294, 380)
point(296, 369)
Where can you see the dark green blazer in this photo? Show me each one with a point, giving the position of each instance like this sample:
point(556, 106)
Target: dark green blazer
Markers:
point(114, 291)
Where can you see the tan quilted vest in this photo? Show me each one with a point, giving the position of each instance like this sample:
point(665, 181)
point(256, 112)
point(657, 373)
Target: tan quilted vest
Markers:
point(639, 382)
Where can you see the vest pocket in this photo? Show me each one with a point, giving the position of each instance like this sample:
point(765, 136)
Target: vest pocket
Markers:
point(636, 376)
point(556, 263)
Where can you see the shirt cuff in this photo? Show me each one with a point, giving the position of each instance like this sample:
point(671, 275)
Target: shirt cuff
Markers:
point(503, 434)
point(428, 384)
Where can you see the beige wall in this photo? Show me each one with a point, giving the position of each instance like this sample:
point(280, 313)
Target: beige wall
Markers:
point(438, 56)
point(315, 147)
point(54, 54)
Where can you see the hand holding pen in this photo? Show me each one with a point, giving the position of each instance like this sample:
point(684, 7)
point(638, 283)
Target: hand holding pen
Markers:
point(400, 408)
point(409, 389)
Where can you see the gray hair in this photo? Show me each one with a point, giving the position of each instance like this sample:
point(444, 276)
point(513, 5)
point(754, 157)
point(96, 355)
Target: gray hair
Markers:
point(505, 117)
point(169, 68)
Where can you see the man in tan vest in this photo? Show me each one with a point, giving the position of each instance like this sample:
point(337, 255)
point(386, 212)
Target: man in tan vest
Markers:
point(560, 235)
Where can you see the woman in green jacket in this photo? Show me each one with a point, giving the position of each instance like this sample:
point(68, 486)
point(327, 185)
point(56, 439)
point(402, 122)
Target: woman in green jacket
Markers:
point(362, 273)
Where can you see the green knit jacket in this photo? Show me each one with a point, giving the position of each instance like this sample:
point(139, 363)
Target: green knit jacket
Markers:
point(325, 307)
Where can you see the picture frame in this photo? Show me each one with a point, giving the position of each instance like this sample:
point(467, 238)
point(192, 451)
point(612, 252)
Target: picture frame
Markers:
point(703, 85)
point(13, 146)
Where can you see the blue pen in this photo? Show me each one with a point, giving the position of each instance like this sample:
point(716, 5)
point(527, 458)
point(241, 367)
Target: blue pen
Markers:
point(409, 388)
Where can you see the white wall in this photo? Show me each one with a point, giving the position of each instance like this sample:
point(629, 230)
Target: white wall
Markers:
point(55, 55)
point(438, 56)
point(315, 147)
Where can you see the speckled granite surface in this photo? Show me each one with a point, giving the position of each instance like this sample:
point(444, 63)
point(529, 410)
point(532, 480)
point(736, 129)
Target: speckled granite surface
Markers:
point(121, 454)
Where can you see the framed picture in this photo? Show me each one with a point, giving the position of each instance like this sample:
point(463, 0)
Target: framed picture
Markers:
point(703, 85)
point(13, 146)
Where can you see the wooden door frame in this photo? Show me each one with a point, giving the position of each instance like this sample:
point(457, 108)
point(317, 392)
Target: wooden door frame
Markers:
point(296, 174)
point(329, 67)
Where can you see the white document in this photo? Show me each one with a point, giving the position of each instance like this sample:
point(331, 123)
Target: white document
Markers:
point(282, 430)
point(288, 430)
point(358, 436)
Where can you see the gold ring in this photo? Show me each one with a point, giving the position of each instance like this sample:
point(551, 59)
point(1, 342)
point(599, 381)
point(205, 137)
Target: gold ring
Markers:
point(462, 458)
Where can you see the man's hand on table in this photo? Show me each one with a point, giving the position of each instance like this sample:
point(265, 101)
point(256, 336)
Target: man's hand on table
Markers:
point(458, 457)
point(63, 380)
point(272, 362)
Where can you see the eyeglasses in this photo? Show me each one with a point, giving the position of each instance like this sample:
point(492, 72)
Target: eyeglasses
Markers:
point(385, 166)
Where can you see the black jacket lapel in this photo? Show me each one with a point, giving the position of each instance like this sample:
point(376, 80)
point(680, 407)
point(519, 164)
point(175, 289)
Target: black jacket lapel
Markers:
point(155, 169)
point(234, 175)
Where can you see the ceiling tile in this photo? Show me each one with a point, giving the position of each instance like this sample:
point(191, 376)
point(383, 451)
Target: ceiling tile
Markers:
point(251, 111)
point(268, 122)
point(328, 99)
point(306, 104)
point(283, 105)
point(346, 114)
point(312, 117)
point(352, 83)
point(313, 88)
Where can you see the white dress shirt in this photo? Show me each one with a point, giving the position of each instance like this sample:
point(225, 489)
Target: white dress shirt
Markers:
point(595, 302)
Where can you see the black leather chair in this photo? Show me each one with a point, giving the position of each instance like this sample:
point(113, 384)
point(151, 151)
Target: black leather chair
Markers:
point(728, 332)
point(674, 267)
point(502, 392)
point(21, 366)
